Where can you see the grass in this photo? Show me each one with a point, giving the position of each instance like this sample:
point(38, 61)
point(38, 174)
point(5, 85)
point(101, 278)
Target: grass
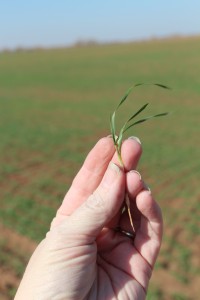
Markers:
point(55, 104)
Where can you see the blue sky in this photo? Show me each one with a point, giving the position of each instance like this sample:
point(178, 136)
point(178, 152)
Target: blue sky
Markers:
point(61, 22)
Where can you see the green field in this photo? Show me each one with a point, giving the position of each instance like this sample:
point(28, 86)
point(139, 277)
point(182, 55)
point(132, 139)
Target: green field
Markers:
point(55, 104)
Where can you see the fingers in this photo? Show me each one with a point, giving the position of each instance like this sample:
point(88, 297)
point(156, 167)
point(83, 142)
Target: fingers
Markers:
point(147, 218)
point(134, 185)
point(149, 235)
point(88, 220)
point(92, 171)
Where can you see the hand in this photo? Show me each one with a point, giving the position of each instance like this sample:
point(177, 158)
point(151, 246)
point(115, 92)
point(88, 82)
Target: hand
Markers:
point(83, 255)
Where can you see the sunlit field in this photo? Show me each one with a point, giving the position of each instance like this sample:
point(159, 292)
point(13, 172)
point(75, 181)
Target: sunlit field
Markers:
point(55, 105)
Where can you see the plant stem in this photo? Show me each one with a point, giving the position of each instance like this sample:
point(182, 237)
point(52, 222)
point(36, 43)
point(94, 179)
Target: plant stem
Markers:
point(127, 200)
point(119, 157)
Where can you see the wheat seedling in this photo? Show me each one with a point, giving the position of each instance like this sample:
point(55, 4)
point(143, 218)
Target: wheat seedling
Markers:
point(117, 139)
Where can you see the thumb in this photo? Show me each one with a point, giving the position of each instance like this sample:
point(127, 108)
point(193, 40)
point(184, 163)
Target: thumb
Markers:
point(89, 219)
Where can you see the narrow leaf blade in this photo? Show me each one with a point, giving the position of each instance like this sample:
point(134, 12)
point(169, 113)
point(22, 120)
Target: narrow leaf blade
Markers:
point(157, 84)
point(163, 86)
point(112, 126)
point(119, 141)
point(138, 112)
point(146, 119)
point(139, 84)
point(124, 97)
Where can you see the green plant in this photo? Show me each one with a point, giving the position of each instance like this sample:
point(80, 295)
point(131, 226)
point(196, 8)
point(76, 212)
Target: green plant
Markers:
point(117, 139)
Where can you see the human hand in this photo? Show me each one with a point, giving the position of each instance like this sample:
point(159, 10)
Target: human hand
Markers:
point(83, 255)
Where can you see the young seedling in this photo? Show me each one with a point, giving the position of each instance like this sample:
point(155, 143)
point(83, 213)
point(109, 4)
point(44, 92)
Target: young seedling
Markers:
point(118, 138)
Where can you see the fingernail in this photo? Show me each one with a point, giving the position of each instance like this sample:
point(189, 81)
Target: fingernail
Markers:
point(135, 138)
point(134, 171)
point(110, 136)
point(147, 188)
point(112, 172)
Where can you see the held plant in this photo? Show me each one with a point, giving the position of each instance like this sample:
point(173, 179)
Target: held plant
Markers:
point(118, 138)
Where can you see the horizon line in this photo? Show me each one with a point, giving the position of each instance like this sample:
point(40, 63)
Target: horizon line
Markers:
point(93, 42)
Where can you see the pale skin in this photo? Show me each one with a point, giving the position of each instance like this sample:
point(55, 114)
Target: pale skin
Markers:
point(83, 255)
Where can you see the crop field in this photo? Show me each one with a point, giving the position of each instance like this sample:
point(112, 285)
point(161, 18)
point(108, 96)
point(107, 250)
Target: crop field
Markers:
point(55, 104)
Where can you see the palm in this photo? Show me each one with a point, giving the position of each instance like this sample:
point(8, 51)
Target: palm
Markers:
point(115, 275)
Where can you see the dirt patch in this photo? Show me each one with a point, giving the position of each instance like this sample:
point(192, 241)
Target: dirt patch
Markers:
point(171, 286)
point(16, 242)
point(178, 268)
point(17, 248)
point(8, 284)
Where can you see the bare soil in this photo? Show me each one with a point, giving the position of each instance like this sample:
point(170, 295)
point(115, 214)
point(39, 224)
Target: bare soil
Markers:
point(15, 246)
